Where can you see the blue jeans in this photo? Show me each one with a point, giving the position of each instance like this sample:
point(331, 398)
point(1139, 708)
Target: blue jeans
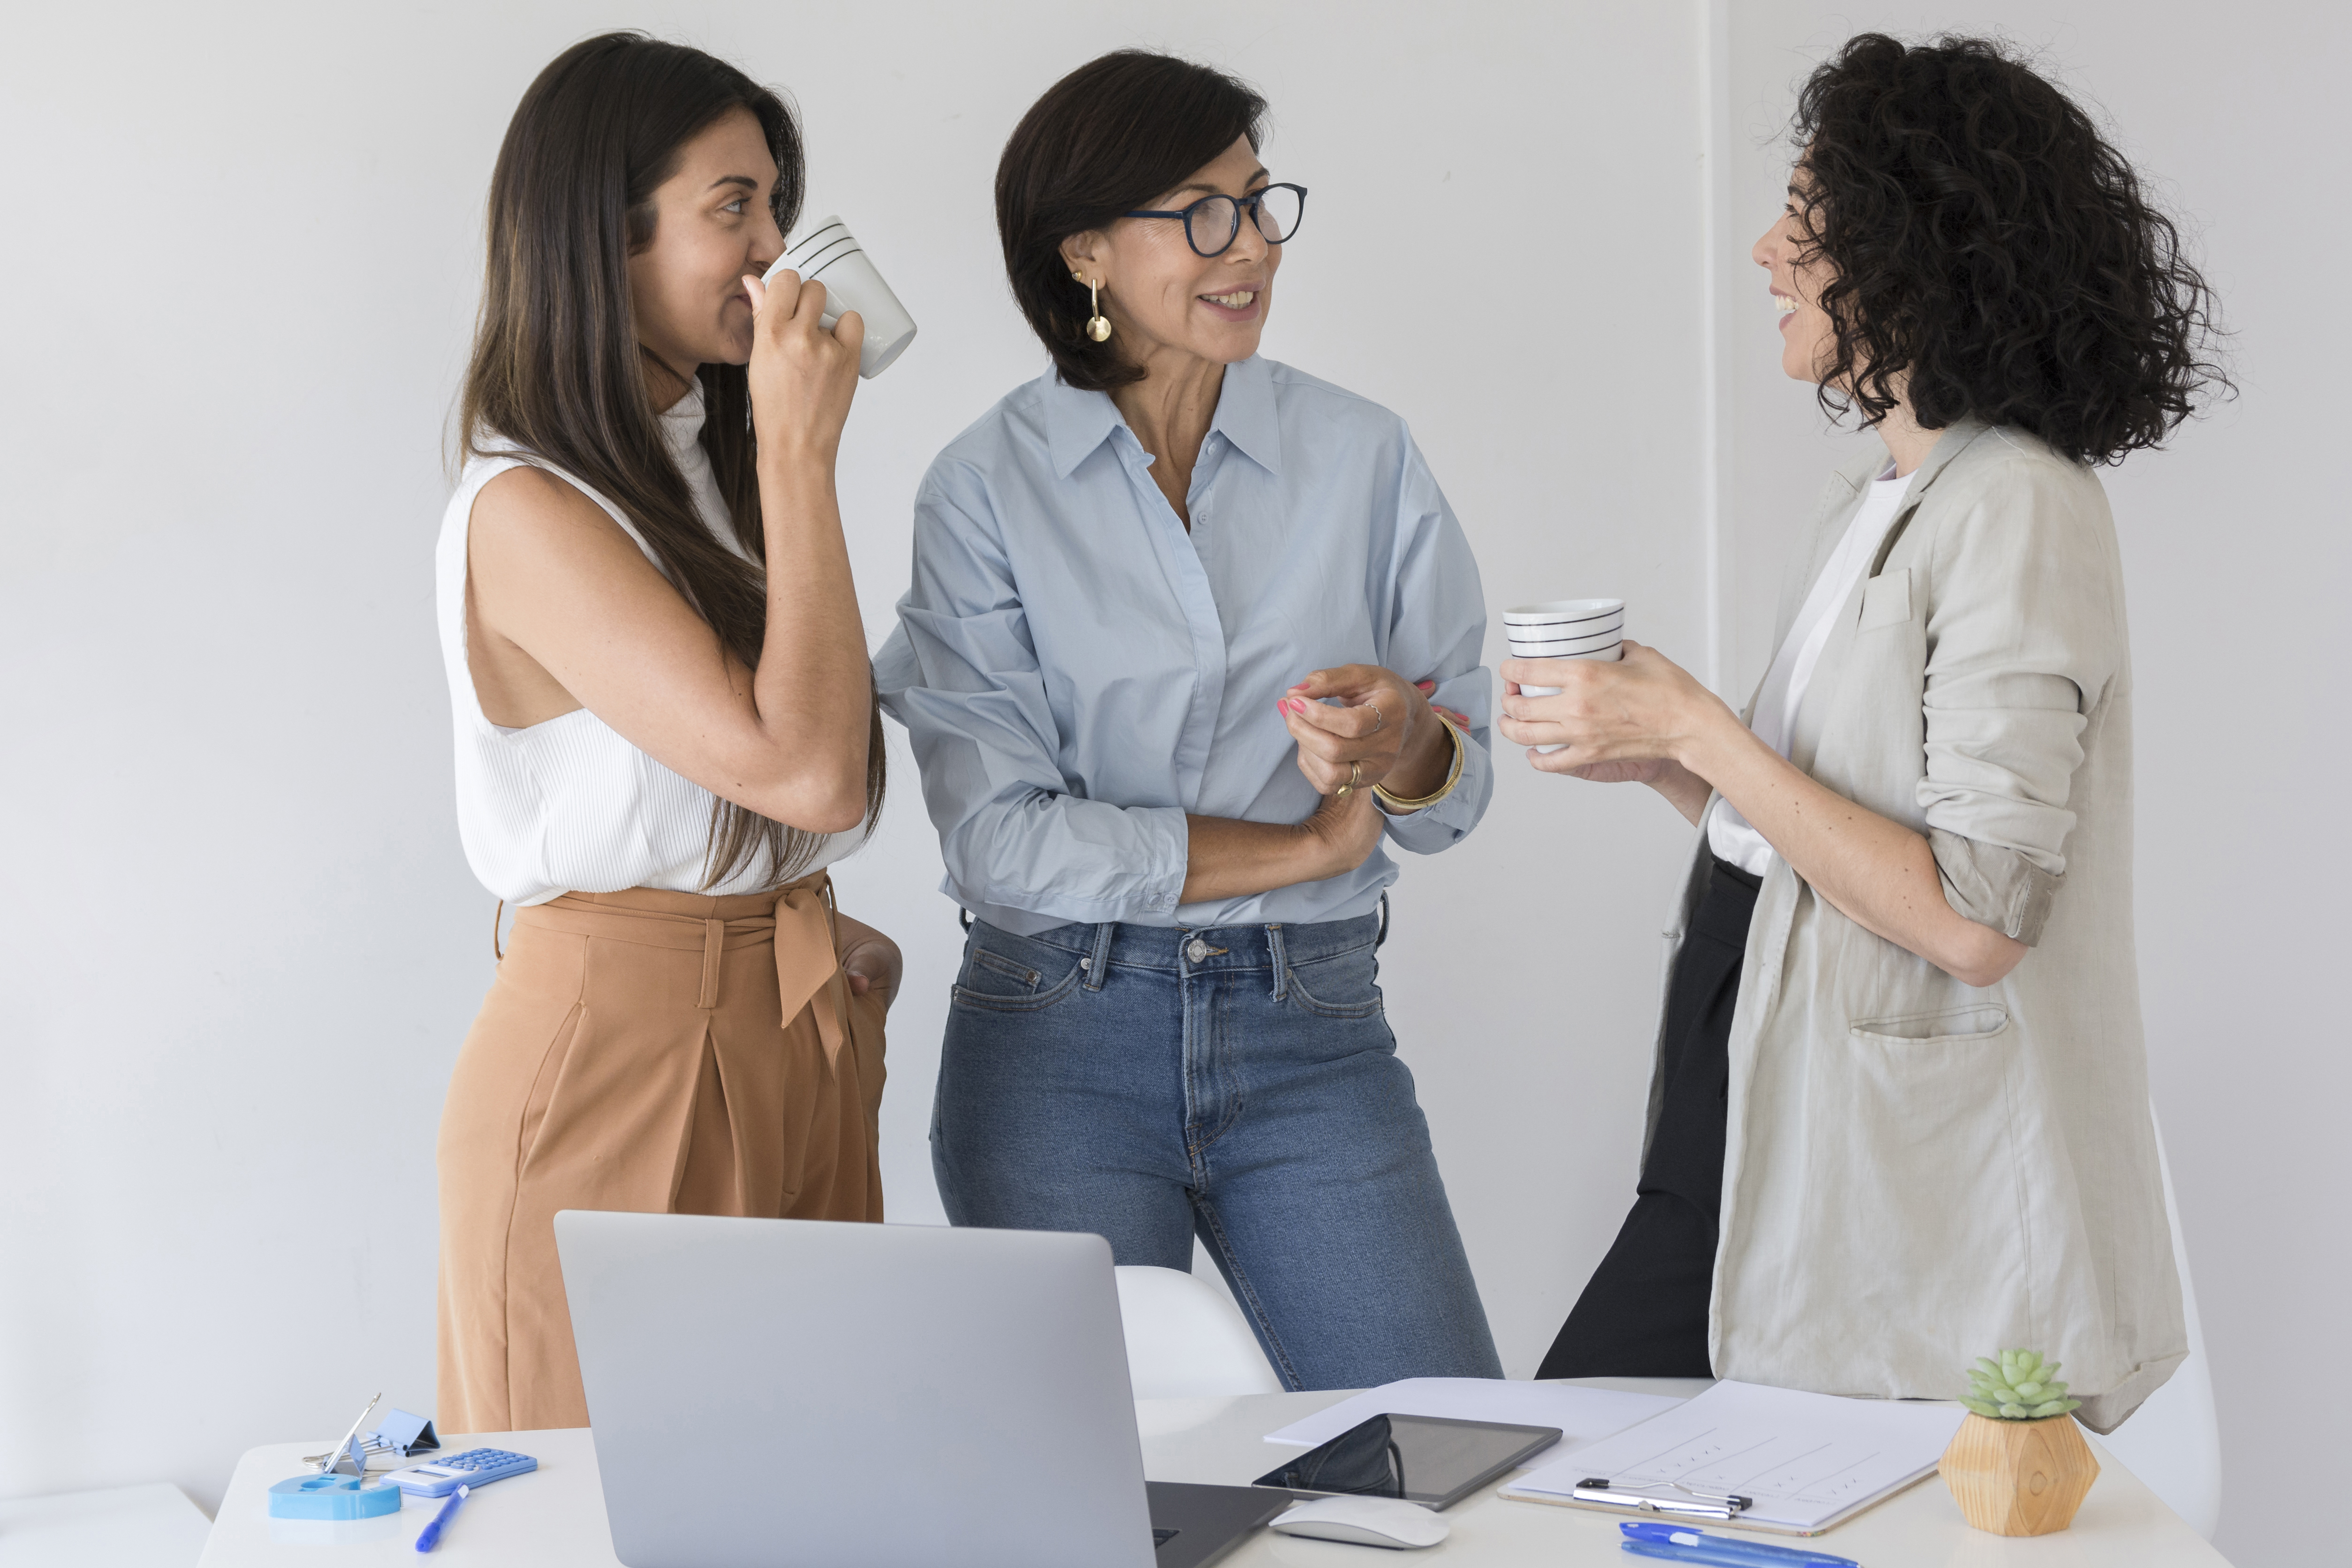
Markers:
point(1239, 1082)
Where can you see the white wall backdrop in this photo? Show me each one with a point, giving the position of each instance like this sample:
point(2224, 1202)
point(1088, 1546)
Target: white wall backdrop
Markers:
point(241, 944)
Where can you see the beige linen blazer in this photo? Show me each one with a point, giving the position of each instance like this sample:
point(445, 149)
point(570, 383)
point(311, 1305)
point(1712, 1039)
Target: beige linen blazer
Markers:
point(1919, 1172)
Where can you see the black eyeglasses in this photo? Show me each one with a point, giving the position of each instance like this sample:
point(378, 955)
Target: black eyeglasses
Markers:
point(1214, 223)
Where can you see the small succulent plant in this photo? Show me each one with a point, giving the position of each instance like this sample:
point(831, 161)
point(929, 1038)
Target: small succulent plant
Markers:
point(2020, 1387)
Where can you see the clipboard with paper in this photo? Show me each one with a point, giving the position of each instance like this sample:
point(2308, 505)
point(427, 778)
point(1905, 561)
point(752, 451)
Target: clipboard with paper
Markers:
point(1752, 1458)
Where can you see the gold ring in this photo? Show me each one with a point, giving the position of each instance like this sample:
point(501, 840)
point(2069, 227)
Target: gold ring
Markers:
point(1355, 777)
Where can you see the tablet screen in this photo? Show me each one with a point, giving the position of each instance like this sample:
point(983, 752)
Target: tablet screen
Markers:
point(1426, 1459)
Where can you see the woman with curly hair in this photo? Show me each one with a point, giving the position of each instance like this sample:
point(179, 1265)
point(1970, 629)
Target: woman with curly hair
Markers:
point(1900, 1113)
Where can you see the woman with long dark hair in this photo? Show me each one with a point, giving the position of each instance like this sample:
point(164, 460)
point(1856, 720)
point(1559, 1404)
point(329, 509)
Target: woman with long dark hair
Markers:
point(1900, 1111)
point(1177, 618)
point(666, 726)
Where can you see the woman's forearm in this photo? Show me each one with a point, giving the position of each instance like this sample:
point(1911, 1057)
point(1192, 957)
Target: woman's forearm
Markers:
point(1229, 859)
point(1876, 871)
point(814, 688)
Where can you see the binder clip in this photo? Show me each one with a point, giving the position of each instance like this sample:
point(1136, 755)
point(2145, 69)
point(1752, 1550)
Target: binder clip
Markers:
point(340, 1490)
point(403, 1434)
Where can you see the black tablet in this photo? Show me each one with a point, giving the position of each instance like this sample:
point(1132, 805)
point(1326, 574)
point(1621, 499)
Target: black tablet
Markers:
point(1427, 1459)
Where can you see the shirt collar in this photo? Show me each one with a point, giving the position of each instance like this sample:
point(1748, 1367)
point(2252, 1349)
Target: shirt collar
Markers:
point(1078, 421)
point(1245, 414)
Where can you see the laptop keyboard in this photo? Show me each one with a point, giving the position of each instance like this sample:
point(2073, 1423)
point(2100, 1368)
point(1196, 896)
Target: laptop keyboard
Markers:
point(1161, 1538)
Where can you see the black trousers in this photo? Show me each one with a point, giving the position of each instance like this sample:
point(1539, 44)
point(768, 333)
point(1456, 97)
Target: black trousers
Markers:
point(1643, 1311)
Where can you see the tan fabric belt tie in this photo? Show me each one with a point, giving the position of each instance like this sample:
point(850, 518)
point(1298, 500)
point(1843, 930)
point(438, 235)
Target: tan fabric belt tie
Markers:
point(799, 928)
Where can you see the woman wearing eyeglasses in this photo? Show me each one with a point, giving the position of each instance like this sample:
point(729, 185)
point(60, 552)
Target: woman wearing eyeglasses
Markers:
point(1178, 620)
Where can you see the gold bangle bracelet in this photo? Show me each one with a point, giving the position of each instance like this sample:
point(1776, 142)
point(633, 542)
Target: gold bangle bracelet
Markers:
point(1398, 804)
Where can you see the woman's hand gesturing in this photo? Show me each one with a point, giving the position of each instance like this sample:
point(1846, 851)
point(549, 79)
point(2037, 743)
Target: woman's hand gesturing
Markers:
point(1383, 733)
point(801, 376)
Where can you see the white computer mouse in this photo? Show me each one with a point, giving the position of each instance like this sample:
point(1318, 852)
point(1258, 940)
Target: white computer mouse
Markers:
point(1365, 1521)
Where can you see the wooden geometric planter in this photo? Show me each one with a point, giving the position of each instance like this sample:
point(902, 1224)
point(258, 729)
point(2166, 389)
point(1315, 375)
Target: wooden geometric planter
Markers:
point(2020, 1478)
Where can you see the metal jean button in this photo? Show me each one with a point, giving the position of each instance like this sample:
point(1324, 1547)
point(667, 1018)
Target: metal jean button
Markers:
point(1196, 950)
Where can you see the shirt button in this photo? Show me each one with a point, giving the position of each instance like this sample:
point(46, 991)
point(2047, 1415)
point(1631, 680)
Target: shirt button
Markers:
point(1196, 950)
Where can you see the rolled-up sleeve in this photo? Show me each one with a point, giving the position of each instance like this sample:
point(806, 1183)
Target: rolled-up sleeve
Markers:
point(961, 674)
point(1436, 631)
point(2023, 640)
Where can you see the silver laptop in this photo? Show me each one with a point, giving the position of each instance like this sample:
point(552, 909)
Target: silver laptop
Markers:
point(775, 1391)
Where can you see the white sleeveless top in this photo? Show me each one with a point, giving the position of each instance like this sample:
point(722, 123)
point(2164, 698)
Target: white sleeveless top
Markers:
point(568, 805)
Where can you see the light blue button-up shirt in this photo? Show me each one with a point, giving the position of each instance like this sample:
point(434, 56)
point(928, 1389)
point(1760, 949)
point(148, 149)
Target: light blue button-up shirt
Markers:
point(1077, 672)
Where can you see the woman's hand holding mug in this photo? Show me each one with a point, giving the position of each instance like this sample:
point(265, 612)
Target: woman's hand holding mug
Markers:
point(801, 375)
point(1640, 720)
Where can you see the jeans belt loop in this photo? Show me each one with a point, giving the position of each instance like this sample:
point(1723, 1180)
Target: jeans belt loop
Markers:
point(1098, 962)
point(1380, 937)
point(1281, 963)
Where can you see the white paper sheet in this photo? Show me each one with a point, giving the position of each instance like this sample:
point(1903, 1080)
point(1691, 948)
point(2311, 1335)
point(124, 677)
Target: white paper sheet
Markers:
point(1582, 1414)
point(1804, 1458)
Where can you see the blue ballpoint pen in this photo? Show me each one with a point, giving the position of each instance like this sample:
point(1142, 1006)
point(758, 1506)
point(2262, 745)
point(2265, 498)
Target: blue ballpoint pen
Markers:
point(432, 1536)
point(1681, 1544)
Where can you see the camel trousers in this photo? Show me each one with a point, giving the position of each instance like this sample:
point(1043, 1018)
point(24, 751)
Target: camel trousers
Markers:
point(648, 1051)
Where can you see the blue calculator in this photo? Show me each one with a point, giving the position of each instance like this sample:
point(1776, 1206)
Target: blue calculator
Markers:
point(474, 1467)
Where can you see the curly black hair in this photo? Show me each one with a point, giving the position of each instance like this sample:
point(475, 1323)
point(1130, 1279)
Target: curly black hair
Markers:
point(1993, 253)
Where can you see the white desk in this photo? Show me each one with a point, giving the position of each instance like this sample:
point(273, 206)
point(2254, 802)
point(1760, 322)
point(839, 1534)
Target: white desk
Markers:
point(554, 1518)
point(151, 1526)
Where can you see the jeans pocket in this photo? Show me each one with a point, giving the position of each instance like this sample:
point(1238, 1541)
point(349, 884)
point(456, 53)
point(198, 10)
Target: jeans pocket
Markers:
point(1012, 975)
point(1343, 985)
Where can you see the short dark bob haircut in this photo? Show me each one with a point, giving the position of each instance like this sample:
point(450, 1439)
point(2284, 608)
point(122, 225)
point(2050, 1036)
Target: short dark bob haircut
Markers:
point(1994, 254)
point(1116, 134)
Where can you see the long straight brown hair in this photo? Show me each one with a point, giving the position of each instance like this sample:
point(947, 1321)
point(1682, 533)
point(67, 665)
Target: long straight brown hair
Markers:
point(556, 367)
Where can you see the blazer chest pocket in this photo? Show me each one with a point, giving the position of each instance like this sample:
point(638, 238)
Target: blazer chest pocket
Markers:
point(1886, 599)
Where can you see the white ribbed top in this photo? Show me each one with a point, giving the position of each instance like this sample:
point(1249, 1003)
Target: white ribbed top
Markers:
point(568, 805)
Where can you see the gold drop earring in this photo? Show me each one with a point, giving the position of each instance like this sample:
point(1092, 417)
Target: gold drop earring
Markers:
point(1097, 324)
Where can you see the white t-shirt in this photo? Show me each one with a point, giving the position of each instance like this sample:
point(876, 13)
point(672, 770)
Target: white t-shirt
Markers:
point(1774, 719)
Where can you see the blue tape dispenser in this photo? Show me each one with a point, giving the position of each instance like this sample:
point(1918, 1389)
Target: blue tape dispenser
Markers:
point(332, 1495)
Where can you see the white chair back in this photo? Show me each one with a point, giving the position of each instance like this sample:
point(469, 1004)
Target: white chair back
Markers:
point(1186, 1340)
point(2174, 1441)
